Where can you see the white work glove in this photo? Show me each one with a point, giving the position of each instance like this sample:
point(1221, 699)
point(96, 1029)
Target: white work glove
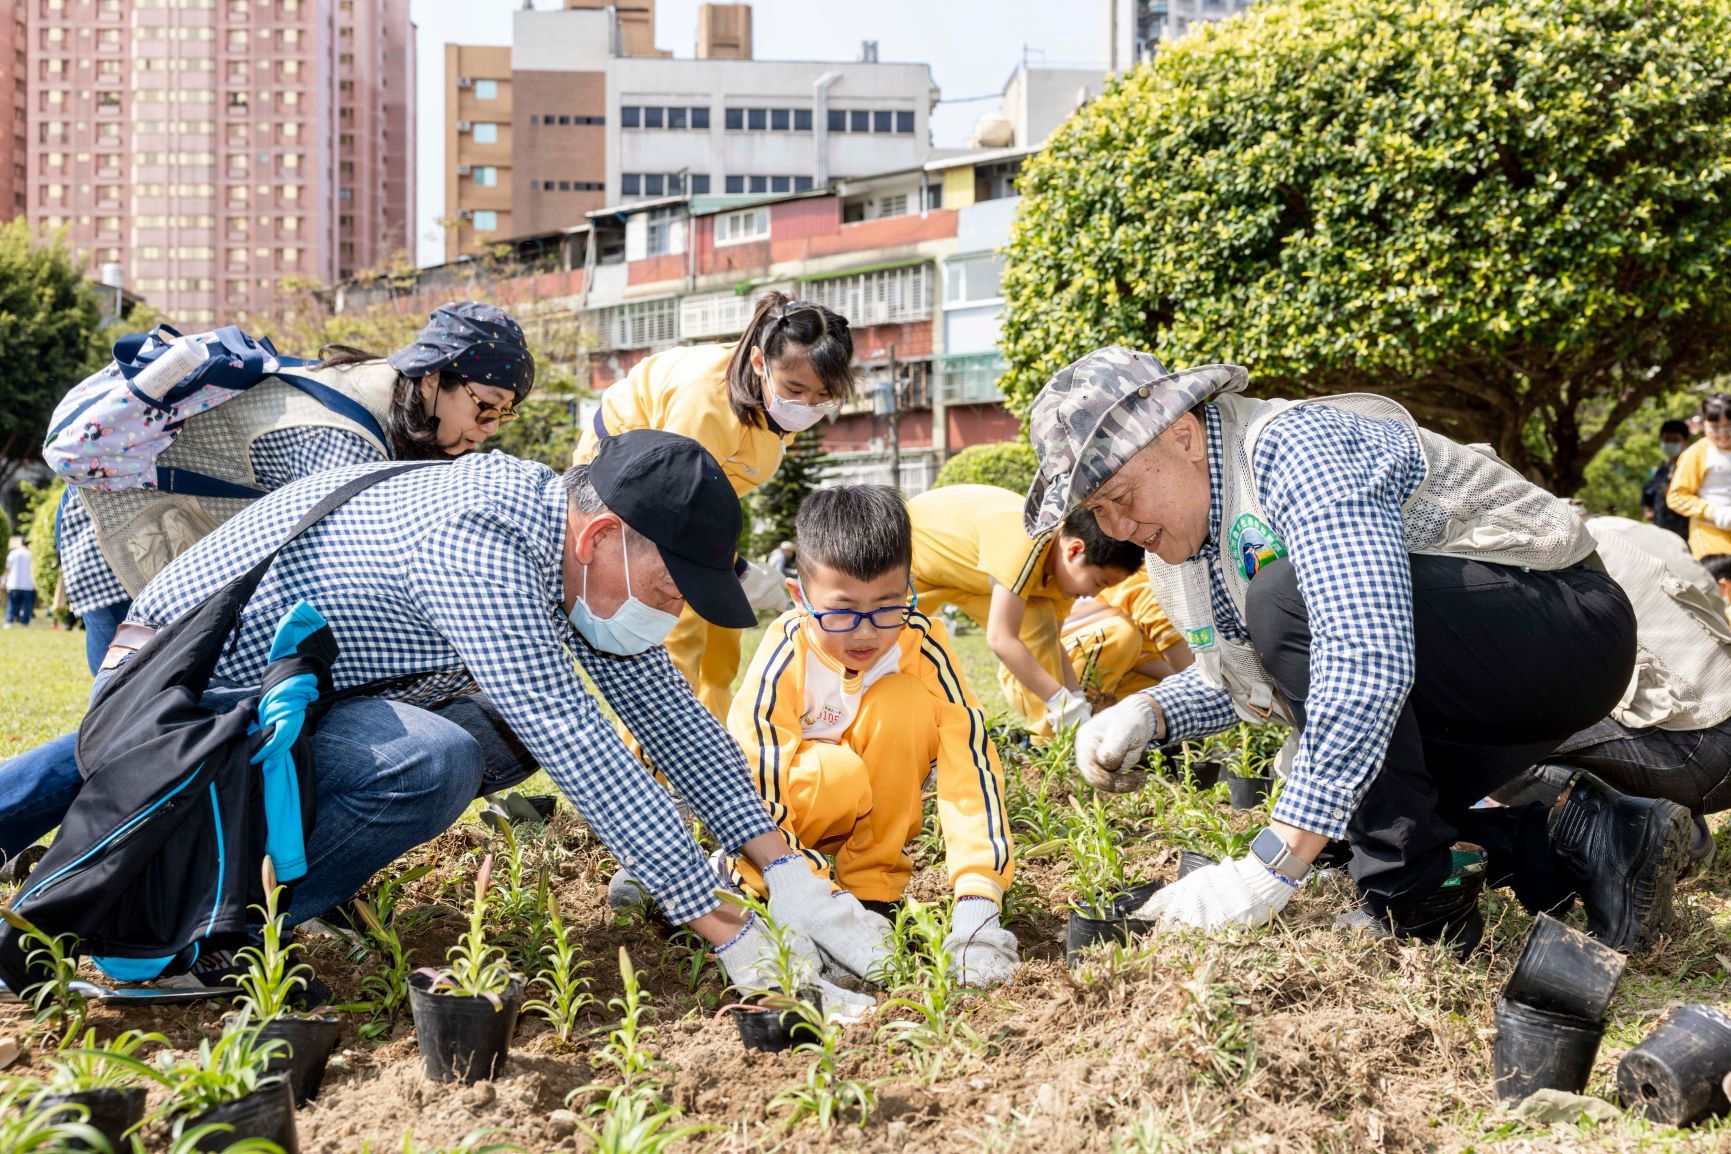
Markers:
point(747, 961)
point(1110, 745)
point(852, 936)
point(983, 952)
point(1720, 515)
point(1239, 892)
point(1065, 708)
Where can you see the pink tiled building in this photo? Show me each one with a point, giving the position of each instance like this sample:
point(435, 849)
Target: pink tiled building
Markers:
point(212, 148)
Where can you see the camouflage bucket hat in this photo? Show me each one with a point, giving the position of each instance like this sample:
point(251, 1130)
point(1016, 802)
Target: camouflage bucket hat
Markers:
point(1098, 412)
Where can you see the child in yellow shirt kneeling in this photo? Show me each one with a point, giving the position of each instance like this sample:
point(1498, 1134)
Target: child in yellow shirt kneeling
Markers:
point(852, 700)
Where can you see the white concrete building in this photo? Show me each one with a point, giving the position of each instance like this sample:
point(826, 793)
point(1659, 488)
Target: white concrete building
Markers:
point(1134, 28)
point(757, 127)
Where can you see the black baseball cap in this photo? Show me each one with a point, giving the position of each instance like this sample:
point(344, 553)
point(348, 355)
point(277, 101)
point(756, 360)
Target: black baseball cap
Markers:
point(670, 489)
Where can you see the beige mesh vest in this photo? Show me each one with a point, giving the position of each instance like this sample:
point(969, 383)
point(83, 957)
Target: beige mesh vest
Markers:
point(1470, 504)
point(141, 530)
point(1682, 677)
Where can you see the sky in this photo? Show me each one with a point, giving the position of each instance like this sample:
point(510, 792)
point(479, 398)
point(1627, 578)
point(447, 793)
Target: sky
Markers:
point(971, 45)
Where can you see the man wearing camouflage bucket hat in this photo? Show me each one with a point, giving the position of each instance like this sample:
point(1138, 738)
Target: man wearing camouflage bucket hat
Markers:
point(1428, 621)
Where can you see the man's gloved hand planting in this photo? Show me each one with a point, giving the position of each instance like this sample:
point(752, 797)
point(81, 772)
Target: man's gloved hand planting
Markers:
point(983, 951)
point(1066, 708)
point(803, 900)
point(1239, 892)
point(1110, 745)
point(751, 962)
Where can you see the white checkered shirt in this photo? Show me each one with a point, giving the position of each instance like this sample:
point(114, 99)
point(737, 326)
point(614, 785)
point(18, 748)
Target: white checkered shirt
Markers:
point(456, 569)
point(1331, 485)
point(278, 457)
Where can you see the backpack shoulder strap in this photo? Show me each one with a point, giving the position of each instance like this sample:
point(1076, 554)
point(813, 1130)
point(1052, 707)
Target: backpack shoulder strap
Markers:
point(339, 403)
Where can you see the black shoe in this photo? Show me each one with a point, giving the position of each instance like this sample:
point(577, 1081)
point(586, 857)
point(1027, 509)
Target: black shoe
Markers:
point(1701, 849)
point(1449, 913)
point(1625, 854)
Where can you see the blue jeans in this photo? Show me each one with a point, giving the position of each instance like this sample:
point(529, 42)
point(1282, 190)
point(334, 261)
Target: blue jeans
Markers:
point(99, 626)
point(386, 776)
point(19, 605)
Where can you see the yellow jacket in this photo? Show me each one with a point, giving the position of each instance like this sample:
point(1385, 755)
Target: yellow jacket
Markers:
point(684, 391)
point(1134, 598)
point(968, 536)
point(793, 689)
point(1683, 497)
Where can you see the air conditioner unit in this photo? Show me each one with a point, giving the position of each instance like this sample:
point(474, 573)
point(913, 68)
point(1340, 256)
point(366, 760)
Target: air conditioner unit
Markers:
point(465, 82)
point(465, 214)
point(465, 169)
point(464, 126)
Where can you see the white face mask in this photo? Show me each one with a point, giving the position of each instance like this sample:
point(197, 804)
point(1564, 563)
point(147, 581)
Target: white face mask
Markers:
point(634, 626)
point(794, 416)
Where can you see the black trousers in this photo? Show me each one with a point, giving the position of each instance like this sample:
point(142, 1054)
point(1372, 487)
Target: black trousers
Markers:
point(1510, 662)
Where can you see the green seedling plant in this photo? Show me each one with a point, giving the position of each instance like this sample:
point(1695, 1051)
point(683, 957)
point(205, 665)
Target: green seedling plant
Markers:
point(688, 955)
point(825, 1096)
point(60, 1009)
point(88, 1065)
point(1098, 860)
point(475, 967)
point(517, 902)
point(627, 1049)
point(937, 1036)
point(640, 1123)
point(197, 1138)
point(29, 1124)
point(563, 985)
point(272, 976)
point(474, 1142)
point(384, 992)
point(787, 970)
point(225, 1070)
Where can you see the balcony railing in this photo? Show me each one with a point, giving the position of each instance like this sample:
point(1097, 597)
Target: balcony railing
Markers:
point(970, 379)
point(919, 469)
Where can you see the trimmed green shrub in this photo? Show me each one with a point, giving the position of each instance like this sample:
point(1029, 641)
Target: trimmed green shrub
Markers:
point(1007, 464)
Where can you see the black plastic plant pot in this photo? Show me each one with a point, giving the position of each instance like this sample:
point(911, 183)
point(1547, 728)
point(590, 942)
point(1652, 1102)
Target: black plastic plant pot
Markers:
point(1565, 971)
point(463, 1039)
point(311, 1041)
point(1189, 861)
point(113, 1111)
point(1084, 931)
point(545, 804)
point(769, 1031)
point(1248, 792)
point(268, 1112)
point(1539, 1050)
point(1205, 772)
point(1675, 1075)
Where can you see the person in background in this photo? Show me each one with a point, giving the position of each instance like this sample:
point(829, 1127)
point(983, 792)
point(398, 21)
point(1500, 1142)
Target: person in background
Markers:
point(20, 584)
point(744, 402)
point(854, 696)
point(970, 551)
point(1120, 642)
point(443, 395)
point(1673, 439)
point(781, 558)
point(1718, 566)
point(1701, 483)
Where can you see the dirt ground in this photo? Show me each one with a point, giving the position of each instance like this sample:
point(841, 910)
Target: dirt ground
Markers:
point(1295, 1037)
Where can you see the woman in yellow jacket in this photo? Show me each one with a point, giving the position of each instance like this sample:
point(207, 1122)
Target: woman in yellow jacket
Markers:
point(743, 402)
point(1701, 482)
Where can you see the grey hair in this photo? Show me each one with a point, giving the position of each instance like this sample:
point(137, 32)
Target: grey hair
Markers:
point(580, 494)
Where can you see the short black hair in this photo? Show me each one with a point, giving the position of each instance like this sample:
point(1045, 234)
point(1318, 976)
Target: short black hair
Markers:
point(860, 530)
point(1098, 549)
point(1718, 565)
point(1715, 407)
point(1681, 428)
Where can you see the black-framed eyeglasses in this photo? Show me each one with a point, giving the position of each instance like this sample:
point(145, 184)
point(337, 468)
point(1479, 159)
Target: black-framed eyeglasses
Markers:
point(847, 620)
point(485, 413)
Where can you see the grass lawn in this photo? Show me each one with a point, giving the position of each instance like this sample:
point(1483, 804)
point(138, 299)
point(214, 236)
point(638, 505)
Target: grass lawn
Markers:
point(44, 685)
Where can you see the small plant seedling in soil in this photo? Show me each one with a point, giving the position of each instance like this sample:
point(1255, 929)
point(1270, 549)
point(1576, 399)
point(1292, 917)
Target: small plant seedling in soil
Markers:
point(60, 1009)
point(30, 1122)
point(1097, 861)
point(475, 968)
point(383, 993)
point(561, 980)
point(272, 977)
point(825, 1097)
point(87, 1066)
point(226, 1070)
point(937, 1035)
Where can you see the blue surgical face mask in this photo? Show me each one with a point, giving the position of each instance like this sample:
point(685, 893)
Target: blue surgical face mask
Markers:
point(634, 626)
point(1671, 449)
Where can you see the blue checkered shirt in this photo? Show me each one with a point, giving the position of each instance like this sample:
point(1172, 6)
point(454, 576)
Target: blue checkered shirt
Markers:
point(455, 571)
point(1331, 485)
point(278, 457)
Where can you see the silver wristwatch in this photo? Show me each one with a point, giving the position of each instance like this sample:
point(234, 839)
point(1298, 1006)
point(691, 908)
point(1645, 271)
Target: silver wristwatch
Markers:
point(1271, 851)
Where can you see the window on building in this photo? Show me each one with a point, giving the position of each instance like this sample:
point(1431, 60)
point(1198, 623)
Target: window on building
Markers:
point(756, 119)
point(486, 132)
point(734, 119)
point(700, 184)
point(630, 116)
point(802, 120)
point(700, 118)
point(486, 220)
point(837, 120)
point(802, 184)
point(904, 123)
point(859, 120)
point(487, 176)
point(567, 120)
point(996, 181)
point(758, 184)
point(781, 184)
point(676, 118)
point(659, 240)
point(654, 184)
point(534, 118)
point(631, 184)
point(740, 227)
point(735, 185)
point(780, 120)
point(654, 117)
point(973, 279)
point(883, 121)
point(486, 90)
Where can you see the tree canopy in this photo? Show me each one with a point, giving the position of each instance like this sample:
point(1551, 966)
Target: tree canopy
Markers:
point(1511, 215)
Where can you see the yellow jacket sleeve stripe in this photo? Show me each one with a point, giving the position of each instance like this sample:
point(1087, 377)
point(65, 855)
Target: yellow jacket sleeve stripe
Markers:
point(991, 788)
point(1031, 567)
point(768, 742)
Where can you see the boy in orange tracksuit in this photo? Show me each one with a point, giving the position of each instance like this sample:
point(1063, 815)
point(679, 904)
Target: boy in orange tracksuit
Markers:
point(1121, 642)
point(852, 699)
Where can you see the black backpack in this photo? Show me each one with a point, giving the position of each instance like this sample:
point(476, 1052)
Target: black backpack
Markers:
point(161, 853)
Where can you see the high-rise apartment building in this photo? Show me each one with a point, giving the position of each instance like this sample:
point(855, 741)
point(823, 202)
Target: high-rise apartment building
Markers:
point(1135, 28)
point(478, 146)
point(212, 148)
point(14, 147)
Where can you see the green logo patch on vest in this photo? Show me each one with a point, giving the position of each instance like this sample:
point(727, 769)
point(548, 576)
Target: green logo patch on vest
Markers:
point(1199, 638)
point(1254, 544)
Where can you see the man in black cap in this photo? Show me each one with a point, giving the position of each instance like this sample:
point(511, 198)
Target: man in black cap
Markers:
point(495, 573)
